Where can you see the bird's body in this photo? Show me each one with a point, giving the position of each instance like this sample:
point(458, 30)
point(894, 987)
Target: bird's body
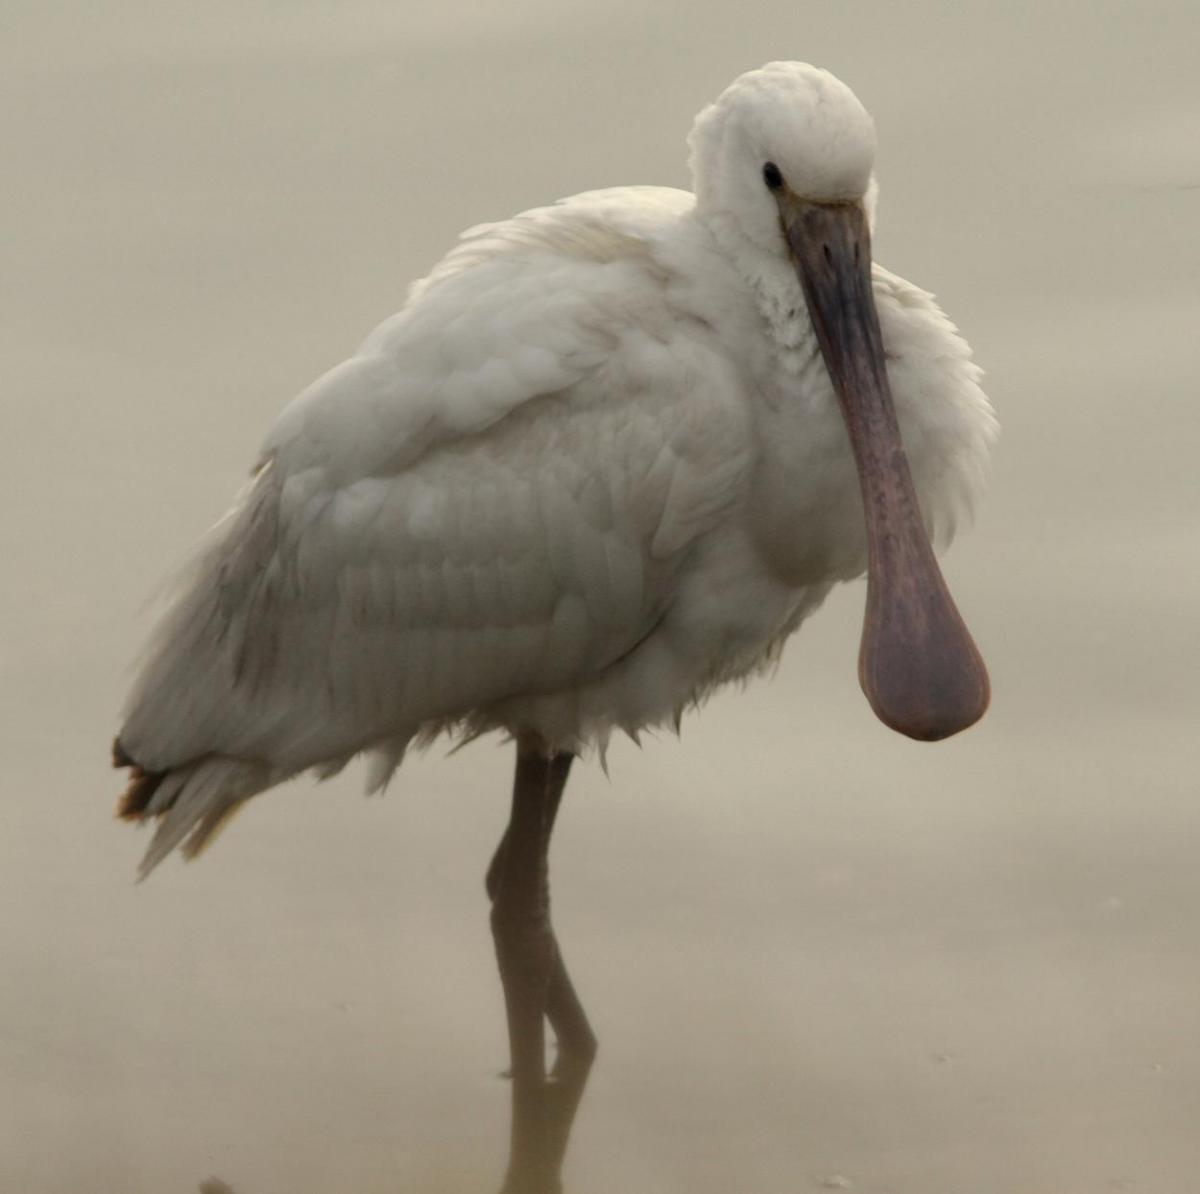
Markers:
point(608, 456)
point(593, 468)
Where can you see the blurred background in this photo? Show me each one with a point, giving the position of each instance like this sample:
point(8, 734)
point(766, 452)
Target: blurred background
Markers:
point(817, 955)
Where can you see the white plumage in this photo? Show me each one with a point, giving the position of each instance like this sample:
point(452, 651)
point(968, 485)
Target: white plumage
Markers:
point(593, 468)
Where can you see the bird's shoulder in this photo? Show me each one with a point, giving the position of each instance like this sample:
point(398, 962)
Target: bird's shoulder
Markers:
point(613, 226)
point(554, 345)
point(579, 301)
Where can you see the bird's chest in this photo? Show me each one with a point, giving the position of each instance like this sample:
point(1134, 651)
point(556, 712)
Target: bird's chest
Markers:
point(805, 510)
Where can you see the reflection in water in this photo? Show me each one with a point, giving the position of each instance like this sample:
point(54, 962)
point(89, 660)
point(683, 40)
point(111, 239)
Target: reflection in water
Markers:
point(542, 1129)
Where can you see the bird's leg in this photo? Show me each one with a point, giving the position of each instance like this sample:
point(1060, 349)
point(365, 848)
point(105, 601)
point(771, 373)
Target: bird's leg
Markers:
point(536, 983)
point(576, 1041)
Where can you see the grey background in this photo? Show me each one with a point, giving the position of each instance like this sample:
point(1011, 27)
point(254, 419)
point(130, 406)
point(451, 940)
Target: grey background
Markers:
point(814, 951)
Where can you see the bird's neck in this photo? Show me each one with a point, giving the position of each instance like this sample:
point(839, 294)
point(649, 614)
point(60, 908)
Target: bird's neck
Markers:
point(771, 279)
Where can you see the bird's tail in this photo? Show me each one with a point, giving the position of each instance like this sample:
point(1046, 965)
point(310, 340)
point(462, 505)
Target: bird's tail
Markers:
point(191, 802)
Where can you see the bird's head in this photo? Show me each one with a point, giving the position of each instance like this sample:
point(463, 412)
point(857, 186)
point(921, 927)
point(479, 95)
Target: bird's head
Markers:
point(782, 166)
point(787, 130)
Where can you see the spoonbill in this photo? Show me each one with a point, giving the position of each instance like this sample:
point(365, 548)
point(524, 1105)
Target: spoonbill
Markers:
point(608, 457)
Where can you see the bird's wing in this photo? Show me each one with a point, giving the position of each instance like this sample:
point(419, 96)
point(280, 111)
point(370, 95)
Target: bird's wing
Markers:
point(492, 498)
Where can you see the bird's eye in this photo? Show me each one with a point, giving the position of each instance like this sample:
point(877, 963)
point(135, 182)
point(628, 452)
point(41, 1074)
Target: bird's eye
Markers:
point(772, 177)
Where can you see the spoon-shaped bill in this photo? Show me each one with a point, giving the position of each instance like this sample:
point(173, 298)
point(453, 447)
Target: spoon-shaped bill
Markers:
point(918, 665)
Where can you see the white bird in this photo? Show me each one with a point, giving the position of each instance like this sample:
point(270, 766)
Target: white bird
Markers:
point(609, 455)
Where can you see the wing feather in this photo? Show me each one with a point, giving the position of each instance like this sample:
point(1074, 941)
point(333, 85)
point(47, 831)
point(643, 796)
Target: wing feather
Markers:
point(494, 497)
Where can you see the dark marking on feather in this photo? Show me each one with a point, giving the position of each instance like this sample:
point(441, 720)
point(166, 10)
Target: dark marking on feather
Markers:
point(135, 798)
point(142, 784)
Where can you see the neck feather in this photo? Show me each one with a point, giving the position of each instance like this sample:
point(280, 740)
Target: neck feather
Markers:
point(772, 279)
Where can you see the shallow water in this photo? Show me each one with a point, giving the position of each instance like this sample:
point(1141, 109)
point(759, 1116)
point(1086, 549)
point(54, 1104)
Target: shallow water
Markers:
point(817, 955)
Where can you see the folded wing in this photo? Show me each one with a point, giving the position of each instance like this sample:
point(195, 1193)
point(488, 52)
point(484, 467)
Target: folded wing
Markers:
point(493, 498)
